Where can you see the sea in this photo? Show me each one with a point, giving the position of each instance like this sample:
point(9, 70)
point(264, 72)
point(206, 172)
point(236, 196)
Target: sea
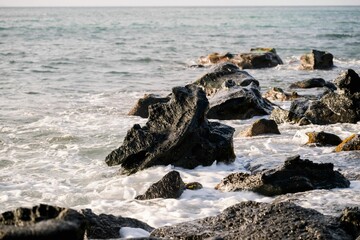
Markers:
point(69, 76)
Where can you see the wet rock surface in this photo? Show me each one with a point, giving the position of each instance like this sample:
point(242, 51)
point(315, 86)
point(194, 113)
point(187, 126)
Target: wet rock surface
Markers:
point(252, 220)
point(323, 139)
point(296, 175)
point(260, 127)
point(278, 94)
point(170, 186)
point(176, 133)
point(313, 83)
point(316, 60)
point(348, 81)
point(141, 108)
point(350, 221)
point(351, 143)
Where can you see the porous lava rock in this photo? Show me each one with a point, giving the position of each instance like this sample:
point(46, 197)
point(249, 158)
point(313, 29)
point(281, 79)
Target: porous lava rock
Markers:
point(349, 81)
point(296, 175)
point(170, 186)
point(177, 133)
point(260, 127)
point(254, 220)
point(323, 139)
point(316, 60)
point(351, 143)
point(141, 108)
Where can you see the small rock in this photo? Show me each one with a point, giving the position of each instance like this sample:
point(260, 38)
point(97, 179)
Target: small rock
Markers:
point(348, 81)
point(323, 139)
point(316, 60)
point(313, 83)
point(351, 143)
point(141, 108)
point(170, 186)
point(193, 186)
point(277, 94)
point(262, 126)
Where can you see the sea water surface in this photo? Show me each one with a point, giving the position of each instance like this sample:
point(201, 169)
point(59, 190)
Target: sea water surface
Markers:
point(69, 76)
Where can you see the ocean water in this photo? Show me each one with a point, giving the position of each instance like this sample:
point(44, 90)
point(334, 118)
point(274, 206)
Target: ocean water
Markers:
point(68, 77)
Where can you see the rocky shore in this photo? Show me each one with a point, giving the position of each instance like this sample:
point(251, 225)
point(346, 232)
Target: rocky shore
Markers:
point(178, 132)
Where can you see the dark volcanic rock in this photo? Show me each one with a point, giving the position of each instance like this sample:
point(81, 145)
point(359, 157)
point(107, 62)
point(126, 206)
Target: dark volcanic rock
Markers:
point(193, 186)
point(348, 81)
point(317, 60)
point(105, 226)
point(223, 76)
point(280, 115)
point(296, 175)
point(277, 94)
point(170, 186)
point(262, 126)
point(350, 221)
point(176, 133)
point(323, 139)
point(349, 144)
point(253, 220)
point(238, 103)
point(313, 83)
point(142, 106)
point(41, 223)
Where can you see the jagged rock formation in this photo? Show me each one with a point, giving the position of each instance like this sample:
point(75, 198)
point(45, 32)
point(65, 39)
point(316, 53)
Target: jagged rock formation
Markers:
point(141, 108)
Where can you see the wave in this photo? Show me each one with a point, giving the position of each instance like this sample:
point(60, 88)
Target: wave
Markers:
point(118, 73)
point(42, 71)
point(335, 35)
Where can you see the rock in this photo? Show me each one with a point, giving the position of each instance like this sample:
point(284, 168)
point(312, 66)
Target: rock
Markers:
point(262, 126)
point(215, 58)
point(316, 60)
point(238, 103)
point(176, 133)
point(141, 107)
point(107, 226)
point(296, 175)
point(348, 81)
point(350, 221)
point(277, 94)
point(253, 220)
point(42, 222)
point(222, 76)
point(313, 83)
point(280, 115)
point(261, 50)
point(170, 186)
point(349, 144)
point(193, 186)
point(323, 139)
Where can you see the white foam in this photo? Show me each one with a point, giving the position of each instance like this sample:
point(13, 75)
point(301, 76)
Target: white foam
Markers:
point(128, 232)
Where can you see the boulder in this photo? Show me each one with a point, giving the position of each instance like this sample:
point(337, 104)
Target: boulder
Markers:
point(278, 94)
point(238, 103)
point(107, 226)
point(223, 76)
point(296, 175)
point(349, 81)
point(42, 222)
point(351, 143)
point(323, 139)
point(141, 107)
point(254, 220)
point(176, 133)
point(313, 83)
point(316, 60)
point(350, 221)
point(262, 126)
point(280, 115)
point(170, 186)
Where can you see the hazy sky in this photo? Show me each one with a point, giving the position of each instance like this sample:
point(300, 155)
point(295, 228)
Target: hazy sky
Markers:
point(172, 2)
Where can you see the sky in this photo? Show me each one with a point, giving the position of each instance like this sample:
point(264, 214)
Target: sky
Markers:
point(8, 3)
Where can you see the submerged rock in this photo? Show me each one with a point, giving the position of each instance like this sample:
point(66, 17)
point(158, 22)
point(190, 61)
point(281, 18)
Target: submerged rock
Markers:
point(351, 143)
point(223, 76)
point(349, 81)
point(262, 126)
point(253, 220)
point(193, 186)
point(142, 106)
point(170, 186)
point(176, 133)
point(42, 222)
point(316, 60)
point(278, 94)
point(323, 139)
point(296, 175)
point(313, 83)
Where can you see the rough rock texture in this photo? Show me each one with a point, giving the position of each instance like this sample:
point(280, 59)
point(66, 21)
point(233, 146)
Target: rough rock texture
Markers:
point(176, 133)
point(313, 83)
point(42, 222)
point(296, 175)
point(280, 115)
point(316, 60)
point(262, 126)
point(348, 81)
point(349, 144)
point(323, 139)
point(238, 103)
point(223, 76)
point(278, 94)
point(350, 221)
point(107, 226)
point(253, 220)
point(142, 106)
point(193, 186)
point(170, 186)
